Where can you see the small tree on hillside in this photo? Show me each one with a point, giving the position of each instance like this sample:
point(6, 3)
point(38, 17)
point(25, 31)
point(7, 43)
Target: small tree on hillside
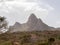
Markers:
point(51, 41)
point(3, 24)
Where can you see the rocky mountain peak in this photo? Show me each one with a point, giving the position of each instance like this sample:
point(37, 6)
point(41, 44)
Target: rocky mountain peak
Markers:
point(33, 24)
point(32, 18)
point(17, 24)
point(32, 15)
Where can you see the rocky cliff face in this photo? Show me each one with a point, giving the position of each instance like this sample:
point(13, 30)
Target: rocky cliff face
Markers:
point(33, 24)
point(36, 24)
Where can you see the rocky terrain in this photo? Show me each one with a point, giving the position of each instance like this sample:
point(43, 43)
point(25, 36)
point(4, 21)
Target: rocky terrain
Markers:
point(33, 24)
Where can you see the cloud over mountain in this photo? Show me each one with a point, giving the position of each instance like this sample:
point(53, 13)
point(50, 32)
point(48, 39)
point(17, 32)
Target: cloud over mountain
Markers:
point(19, 10)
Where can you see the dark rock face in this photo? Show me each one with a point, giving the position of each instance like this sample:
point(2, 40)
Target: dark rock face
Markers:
point(33, 24)
point(32, 21)
point(36, 24)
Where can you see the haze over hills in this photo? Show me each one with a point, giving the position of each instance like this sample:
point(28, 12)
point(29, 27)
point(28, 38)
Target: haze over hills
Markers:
point(33, 24)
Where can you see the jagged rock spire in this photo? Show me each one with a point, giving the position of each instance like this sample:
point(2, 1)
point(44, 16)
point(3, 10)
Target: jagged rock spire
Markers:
point(33, 24)
point(32, 18)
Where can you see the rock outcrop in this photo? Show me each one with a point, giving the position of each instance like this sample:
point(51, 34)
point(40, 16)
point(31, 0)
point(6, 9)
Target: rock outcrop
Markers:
point(33, 24)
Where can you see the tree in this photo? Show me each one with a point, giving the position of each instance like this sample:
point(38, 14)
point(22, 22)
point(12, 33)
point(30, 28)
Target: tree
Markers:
point(3, 25)
point(50, 41)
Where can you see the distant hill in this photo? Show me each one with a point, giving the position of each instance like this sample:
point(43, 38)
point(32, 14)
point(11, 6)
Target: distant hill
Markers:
point(33, 24)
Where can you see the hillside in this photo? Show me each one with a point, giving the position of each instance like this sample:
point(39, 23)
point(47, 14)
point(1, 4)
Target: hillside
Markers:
point(31, 38)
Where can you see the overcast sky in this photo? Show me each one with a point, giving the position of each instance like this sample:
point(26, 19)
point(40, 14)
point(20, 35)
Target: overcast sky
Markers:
point(20, 10)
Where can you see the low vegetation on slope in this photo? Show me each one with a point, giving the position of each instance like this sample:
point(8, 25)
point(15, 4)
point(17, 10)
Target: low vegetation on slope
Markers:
point(31, 38)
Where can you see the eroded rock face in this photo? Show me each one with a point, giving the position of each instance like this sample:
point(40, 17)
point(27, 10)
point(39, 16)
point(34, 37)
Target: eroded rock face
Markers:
point(32, 21)
point(36, 24)
point(32, 24)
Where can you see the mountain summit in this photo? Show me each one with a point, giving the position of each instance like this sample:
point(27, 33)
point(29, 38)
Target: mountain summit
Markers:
point(36, 24)
point(32, 18)
point(33, 24)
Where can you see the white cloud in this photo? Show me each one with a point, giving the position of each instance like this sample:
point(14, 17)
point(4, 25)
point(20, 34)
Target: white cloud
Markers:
point(33, 5)
point(21, 7)
point(56, 24)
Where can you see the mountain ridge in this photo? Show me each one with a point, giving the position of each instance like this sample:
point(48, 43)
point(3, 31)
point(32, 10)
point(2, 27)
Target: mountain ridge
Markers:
point(33, 24)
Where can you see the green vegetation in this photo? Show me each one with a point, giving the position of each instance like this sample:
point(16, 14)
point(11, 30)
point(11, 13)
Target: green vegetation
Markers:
point(30, 38)
point(6, 43)
point(51, 40)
